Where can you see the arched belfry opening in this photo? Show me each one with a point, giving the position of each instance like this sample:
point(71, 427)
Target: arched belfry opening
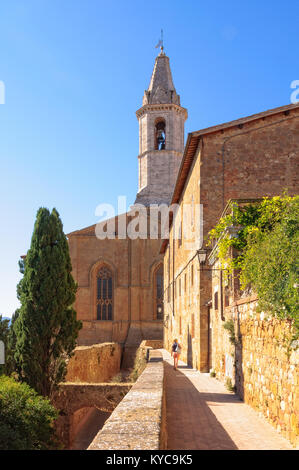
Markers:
point(160, 134)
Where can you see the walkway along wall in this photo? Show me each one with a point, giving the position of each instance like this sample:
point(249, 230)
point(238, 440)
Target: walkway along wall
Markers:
point(256, 361)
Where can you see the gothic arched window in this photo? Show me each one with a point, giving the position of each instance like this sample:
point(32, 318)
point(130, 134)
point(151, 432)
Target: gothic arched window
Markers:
point(159, 288)
point(160, 134)
point(104, 294)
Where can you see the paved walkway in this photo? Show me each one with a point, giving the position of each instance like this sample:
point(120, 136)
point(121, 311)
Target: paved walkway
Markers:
point(202, 414)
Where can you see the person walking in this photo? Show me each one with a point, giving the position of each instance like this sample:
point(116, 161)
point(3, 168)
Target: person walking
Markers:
point(175, 352)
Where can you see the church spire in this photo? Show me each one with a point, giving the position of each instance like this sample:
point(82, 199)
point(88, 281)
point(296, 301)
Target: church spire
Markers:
point(161, 89)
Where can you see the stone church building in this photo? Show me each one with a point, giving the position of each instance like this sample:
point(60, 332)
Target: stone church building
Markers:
point(120, 280)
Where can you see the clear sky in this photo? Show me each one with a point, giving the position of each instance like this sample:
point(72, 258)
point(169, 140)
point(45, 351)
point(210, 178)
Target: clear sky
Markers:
point(74, 74)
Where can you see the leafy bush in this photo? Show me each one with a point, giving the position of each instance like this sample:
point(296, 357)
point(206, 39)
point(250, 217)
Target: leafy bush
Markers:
point(265, 239)
point(271, 265)
point(229, 385)
point(257, 217)
point(26, 419)
point(230, 327)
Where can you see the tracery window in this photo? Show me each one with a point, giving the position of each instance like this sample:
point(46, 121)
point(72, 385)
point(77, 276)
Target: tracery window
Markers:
point(158, 280)
point(104, 294)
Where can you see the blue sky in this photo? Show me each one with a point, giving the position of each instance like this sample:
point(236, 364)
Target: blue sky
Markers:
point(74, 74)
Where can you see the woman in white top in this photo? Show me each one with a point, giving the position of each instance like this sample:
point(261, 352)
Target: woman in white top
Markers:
point(175, 352)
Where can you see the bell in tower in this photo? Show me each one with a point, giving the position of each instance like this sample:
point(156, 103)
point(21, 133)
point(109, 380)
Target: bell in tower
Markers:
point(160, 135)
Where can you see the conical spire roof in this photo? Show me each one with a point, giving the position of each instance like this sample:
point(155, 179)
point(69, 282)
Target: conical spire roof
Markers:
point(161, 89)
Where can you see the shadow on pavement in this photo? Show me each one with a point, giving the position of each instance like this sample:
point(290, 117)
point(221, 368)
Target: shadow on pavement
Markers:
point(190, 422)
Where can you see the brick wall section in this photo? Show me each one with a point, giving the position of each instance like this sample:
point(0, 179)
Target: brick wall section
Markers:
point(94, 364)
point(137, 422)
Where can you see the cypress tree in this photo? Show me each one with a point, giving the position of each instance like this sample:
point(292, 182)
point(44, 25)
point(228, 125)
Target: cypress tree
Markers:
point(46, 328)
point(10, 363)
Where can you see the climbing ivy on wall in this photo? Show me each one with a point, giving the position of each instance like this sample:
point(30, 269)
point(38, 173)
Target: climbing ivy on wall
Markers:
point(265, 238)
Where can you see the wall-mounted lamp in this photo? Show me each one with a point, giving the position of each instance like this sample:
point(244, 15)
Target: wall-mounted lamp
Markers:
point(202, 255)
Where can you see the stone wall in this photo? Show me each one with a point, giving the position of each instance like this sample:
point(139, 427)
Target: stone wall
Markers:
point(265, 376)
point(70, 397)
point(94, 364)
point(138, 422)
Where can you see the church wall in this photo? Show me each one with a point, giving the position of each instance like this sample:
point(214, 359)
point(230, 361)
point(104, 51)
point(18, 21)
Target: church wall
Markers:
point(132, 263)
point(252, 160)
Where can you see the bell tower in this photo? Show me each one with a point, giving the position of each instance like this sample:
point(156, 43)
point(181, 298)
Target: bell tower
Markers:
point(161, 136)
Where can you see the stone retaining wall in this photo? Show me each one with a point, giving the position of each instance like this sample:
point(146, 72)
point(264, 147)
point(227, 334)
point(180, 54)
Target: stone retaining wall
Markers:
point(94, 364)
point(138, 422)
point(265, 376)
point(70, 398)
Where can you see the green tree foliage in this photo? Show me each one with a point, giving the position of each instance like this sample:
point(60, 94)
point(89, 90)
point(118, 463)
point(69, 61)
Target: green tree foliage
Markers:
point(266, 251)
point(10, 363)
point(4, 330)
point(46, 328)
point(259, 216)
point(271, 266)
point(26, 419)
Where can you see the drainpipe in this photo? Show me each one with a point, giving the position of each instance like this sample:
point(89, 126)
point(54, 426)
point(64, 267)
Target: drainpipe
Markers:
point(221, 295)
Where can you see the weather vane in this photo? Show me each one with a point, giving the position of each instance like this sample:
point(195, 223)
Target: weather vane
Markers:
point(160, 43)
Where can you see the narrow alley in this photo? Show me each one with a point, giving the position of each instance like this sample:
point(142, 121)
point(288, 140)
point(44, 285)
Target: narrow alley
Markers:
point(203, 415)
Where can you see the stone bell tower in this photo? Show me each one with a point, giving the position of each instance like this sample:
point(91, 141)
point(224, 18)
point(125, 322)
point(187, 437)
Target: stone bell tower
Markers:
point(161, 136)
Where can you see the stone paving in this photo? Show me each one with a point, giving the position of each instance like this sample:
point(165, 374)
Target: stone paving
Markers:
point(202, 414)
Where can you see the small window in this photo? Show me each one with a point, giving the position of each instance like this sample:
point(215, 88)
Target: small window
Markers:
point(192, 275)
point(192, 326)
point(159, 293)
point(216, 301)
point(180, 235)
point(226, 296)
point(192, 211)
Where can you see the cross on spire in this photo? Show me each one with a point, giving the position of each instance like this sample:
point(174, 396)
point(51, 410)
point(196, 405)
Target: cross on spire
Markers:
point(160, 43)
